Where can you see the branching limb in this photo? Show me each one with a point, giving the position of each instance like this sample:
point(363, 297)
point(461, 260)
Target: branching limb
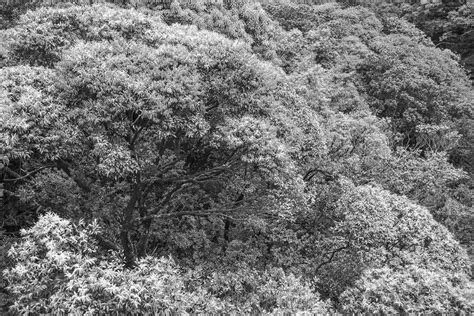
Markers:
point(312, 172)
point(66, 167)
point(331, 257)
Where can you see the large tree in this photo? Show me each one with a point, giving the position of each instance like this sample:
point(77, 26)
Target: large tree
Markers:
point(166, 122)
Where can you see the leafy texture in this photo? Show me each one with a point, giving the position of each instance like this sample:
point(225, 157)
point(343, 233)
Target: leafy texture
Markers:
point(239, 158)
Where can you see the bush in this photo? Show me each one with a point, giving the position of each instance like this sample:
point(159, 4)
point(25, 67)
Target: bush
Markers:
point(59, 269)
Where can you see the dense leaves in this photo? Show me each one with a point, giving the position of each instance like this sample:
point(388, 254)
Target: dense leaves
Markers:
point(413, 290)
point(59, 270)
point(237, 159)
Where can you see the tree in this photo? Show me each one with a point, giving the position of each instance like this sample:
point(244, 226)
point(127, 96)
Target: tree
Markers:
point(430, 90)
point(449, 25)
point(174, 123)
point(365, 227)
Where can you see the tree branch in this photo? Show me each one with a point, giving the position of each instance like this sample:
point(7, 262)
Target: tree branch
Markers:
point(193, 178)
point(312, 172)
point(184, 213)
point(81, 183)
point(331, 257)
point(11, 172)
point(135, 137)
point(18, 177)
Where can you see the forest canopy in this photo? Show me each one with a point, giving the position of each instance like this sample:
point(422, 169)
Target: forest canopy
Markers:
point(233, 158)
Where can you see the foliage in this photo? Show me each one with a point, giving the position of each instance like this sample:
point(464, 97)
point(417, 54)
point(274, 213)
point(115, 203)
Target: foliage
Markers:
point(412, 290)
point(272, 291)
point(371, 228)
point(166, 119)
point(278, 156)
point(448, 23)
point(415, 86)
point(404, 77)
point(59, 269)
point(378, 61)
point(246, 21)
point(6, 298)
point(59, 29)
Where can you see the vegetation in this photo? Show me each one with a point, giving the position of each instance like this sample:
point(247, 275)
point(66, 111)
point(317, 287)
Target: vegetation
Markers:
point(233, 158)
point(449, 23)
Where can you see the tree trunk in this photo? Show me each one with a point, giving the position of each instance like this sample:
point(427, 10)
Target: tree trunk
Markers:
point(143, 243)
point(127, 226)
point(127, 248)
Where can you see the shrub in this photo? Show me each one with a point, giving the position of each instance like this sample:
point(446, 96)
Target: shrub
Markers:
point(59, 269)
